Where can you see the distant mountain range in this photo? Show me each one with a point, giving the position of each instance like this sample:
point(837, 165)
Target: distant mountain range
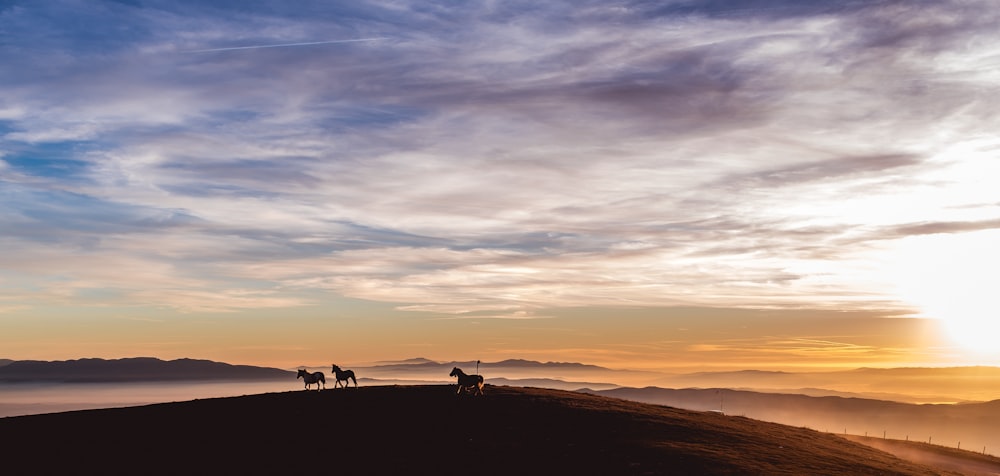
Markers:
point(138, 369)
point(561, 375)
point(422, 363)
point(914, 385)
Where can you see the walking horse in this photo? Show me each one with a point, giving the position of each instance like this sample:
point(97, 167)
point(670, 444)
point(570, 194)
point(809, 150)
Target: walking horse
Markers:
point(312, 378)
point(467, 382)
point(343, 376)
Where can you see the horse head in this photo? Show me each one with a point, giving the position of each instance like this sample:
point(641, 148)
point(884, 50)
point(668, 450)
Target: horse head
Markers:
point(455, 371)
point(302, 373)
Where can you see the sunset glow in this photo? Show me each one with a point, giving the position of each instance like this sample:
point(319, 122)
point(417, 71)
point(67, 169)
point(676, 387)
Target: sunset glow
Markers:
point(678, 184)
point(953, 278)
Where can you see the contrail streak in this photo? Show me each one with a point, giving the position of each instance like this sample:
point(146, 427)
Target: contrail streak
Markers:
point(285, 45)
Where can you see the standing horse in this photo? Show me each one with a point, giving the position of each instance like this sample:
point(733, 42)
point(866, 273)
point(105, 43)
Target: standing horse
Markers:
point(467, 382)
point(343, 376)
point(312, 378)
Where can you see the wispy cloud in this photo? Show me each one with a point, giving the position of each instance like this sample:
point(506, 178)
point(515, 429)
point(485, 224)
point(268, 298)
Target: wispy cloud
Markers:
point(285, 45)
point(490, 160)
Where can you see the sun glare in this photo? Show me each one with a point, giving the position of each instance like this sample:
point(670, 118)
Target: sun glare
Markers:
point(954, 278)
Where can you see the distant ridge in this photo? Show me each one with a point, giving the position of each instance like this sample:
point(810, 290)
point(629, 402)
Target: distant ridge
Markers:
point(135, 369)
point(415, 360)
point(508, 363)
point(535, 363)
point(422, 364)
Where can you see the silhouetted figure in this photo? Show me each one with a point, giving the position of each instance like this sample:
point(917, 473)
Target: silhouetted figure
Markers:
point(343, 376)
point(312, 378)
point(467, 382)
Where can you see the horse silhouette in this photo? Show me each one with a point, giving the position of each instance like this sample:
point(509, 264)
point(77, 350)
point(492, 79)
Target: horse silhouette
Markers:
point(343, 376)
point(467, 382)
point(312, 378)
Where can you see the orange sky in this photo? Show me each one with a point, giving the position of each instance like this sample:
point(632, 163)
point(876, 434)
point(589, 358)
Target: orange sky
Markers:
point(675, 339)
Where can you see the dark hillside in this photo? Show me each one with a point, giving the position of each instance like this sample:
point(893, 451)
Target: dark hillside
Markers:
point(427, 430)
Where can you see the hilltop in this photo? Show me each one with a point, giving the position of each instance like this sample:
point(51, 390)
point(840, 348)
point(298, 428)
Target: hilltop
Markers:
point(428, 429)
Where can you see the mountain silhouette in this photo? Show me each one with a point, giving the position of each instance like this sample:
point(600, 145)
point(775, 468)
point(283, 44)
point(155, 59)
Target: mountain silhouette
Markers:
point(136, 369)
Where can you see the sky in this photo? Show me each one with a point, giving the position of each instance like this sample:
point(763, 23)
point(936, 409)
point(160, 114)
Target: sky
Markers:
point(640, 184)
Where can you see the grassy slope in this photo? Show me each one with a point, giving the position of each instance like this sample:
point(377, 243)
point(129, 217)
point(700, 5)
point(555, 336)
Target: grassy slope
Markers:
point(427, 430)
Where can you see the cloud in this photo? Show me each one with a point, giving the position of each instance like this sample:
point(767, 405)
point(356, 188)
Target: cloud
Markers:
point(285, 45)
point(931, 228)
point(491, 160)
point(516, 316)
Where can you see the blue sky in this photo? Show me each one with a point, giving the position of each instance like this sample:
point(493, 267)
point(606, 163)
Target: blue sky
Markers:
point(494, 161)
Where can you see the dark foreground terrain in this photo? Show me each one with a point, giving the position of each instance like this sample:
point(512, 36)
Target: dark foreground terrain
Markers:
point(425, 430)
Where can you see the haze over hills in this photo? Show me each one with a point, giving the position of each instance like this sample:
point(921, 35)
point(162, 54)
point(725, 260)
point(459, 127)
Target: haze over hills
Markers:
point(418, 365)
point(563, 375)
point(430, 430)
point(971, 425)
point(906, 384)
point(913, 385)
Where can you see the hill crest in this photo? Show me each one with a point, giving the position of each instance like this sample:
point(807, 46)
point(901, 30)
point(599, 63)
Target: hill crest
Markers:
point(429, 429)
